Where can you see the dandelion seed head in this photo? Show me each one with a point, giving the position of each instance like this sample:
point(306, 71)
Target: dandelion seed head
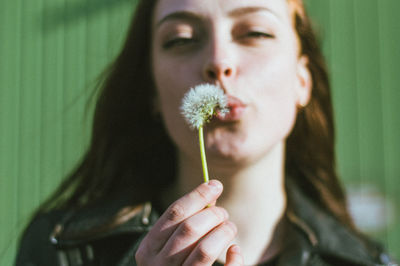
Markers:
point(201, 103)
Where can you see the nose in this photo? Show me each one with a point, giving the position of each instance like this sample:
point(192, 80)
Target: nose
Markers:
point(218, 71)
point(219, 65)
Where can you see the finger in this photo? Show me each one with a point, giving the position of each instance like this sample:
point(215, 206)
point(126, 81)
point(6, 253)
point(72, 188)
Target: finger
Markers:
point(212, 245)
point(180, 210)
point(234, 256)
point(190, 231)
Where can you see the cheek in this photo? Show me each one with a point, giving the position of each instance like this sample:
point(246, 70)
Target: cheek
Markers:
point(171, 85)
point(178, 130)
point(165, 75)
point(271, 80)
point(168, 95)
point(180, 73)
point(273, 86)
point(169, 99)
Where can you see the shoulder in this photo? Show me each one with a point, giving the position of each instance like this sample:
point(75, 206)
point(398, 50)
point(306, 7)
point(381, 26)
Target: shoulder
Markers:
point(323, 239)
point(103, 234)
point(320, 243)
point(84, 236)
point(35, 240)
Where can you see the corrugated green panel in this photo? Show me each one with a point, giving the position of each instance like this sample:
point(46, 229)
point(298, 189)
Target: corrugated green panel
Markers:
point(74, 83)
point(30, 110)
point(369, 95)
point(97, 43)
point(52, 99)
point(369, 91)
point(390, 79)
point(117, 28)
point(363, 54)
point(320, 12)
point(51, 52)
point(10, 55)
point(74, 86)
point(389, 36)
point(343, 73)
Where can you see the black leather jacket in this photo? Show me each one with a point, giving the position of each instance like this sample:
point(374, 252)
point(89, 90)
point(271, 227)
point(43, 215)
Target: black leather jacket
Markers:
point(98, 236)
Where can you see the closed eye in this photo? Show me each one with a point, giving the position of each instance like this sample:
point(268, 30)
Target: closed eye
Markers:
point(177, 42)
point(258, 34)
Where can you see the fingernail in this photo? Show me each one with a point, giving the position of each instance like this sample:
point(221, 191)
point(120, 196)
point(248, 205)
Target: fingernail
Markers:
point(215, 186)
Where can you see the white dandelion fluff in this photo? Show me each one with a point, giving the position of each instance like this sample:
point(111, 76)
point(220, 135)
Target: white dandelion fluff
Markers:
point(201, 103)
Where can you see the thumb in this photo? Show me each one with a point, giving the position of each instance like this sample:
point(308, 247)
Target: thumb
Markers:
point(234, 256)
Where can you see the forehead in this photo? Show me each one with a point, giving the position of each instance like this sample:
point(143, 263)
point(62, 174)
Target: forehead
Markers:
point(220, 8)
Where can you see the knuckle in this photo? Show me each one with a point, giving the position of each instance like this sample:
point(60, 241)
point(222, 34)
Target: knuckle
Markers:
point(176, 212)
point(203, 255)
point(171, 260)
point(189, 229)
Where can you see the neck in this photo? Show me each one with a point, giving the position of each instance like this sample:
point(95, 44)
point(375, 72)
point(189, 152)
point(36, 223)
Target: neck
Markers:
point(254, 197)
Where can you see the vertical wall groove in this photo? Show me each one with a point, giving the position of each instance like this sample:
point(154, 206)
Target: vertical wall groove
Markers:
point(343, 69)
point(381, 117)
point(42, 21)
point(40, 66)
point(368, 89)
point(63, 87)
point(17, 84)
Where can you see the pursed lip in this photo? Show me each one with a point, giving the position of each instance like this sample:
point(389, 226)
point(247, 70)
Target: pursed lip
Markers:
point(236, 109)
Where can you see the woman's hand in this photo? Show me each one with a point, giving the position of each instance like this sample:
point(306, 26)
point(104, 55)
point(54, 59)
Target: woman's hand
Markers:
point(190, 234)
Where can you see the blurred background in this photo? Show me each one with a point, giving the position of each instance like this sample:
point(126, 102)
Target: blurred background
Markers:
point(52, 51)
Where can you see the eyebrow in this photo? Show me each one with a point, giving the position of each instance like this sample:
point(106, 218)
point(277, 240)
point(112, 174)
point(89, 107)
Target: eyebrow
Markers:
point(179, 15)
point(249, 9)
point(187, 15)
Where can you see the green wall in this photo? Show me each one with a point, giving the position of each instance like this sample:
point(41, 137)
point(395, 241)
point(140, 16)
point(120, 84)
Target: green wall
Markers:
point(51, 52)
point(361, 41)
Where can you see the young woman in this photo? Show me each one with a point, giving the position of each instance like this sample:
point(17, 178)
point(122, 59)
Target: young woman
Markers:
point(136, 199)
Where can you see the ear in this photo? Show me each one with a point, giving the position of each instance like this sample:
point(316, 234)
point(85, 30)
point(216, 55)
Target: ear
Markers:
point(304, 82)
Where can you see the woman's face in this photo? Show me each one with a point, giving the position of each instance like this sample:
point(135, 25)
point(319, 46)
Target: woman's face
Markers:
point(250, 49)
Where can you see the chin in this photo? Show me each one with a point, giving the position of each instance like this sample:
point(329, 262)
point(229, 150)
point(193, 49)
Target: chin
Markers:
point(230, 153)
point(228, 144)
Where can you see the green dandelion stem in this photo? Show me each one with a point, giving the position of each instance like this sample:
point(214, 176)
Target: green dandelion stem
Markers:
point(203, 155)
